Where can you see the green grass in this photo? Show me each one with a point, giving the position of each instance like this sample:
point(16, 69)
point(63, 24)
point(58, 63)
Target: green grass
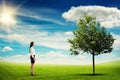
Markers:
point(15, 71)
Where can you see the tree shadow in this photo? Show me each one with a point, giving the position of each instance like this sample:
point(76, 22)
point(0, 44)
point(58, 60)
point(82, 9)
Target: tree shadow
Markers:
point(87, 74)
point(90, 74)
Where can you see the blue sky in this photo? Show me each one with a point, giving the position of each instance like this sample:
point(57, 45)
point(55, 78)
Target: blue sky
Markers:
point(49, 23)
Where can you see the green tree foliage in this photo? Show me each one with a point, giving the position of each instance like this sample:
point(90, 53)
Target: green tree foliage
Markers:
point(91, 38)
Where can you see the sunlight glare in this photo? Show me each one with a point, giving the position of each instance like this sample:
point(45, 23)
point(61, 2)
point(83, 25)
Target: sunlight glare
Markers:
point(7, 17)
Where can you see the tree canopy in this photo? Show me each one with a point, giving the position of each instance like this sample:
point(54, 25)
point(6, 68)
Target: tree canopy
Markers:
point(90, 37)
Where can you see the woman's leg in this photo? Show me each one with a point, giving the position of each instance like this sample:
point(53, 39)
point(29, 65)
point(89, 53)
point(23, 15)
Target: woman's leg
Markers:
point(32, 68)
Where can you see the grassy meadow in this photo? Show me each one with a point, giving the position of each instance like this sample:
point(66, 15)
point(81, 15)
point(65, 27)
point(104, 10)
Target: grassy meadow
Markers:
point(104, 71)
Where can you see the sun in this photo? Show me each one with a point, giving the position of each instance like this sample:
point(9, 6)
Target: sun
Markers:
point(7, 16)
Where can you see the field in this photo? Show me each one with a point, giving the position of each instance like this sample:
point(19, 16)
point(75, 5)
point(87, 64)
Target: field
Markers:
point(15, 71)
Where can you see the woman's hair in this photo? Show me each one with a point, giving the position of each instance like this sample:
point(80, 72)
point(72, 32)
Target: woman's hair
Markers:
point(31, 44)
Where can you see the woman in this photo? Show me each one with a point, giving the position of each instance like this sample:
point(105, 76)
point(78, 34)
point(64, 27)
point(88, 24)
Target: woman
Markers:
point(32, 57)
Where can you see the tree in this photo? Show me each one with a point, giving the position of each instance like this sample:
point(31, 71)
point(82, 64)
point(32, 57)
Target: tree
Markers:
point(91, 38)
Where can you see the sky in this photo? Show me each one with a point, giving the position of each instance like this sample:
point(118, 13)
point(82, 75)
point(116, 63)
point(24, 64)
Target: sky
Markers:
point(50, 23)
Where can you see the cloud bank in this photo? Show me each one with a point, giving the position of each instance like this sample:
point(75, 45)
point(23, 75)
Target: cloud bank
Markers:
point(24, 35)
point(107, 16)
point(59, 57)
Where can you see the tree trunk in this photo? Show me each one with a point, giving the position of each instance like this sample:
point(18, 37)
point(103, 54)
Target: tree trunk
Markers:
point(93, 57)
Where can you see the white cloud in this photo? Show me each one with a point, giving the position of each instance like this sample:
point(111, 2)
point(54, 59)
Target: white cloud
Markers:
point(25, 35)
point(107, 16)
point(6, 48)
point(33, 14)
point(81, 57)
point(69, 33)
point(54, 54)
point(116, 44)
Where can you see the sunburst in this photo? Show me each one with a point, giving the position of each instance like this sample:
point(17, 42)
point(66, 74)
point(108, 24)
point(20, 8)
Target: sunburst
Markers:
point(7, 14)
